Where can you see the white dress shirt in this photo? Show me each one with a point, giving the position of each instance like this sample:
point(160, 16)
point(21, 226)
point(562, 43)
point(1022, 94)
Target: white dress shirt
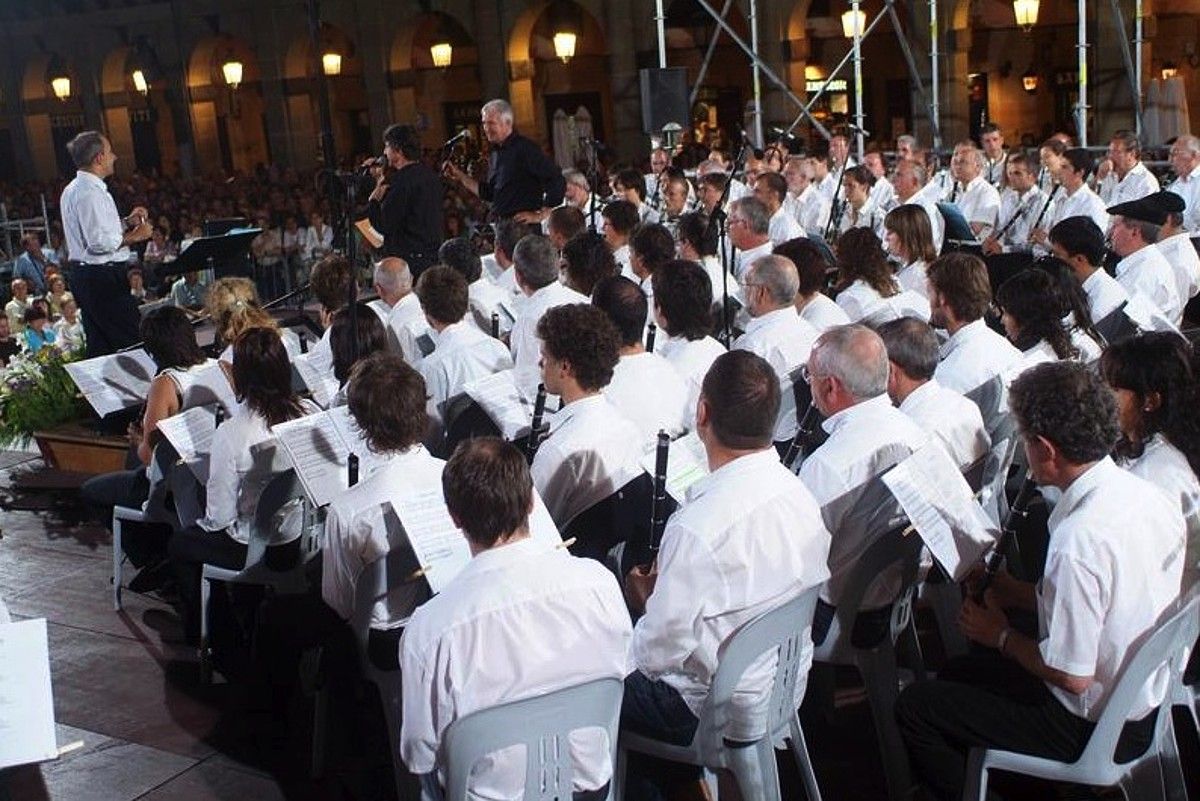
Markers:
point(811, 209)
point(867, 216)
point(979, 203)
point(356, 533)
point(1083, 203)
point(950, 417)
point(592, 451)
point(864, 304)
point(864, 441)
point(485, 299)
point(974, 355)
point(783, 227)
point(1147, 273)
point(524, 342)
point(463, 354)
point(1114, 564)
point(621, 257)
point(649, 392)
point(855, 299)
point(784, 340)
point(1104, 294)
point(1188, 188)
point(1136, 184)
point(912, 277)
point(91, 224)
point(519, 621)
point(994, 169)
point(404, 324)
point(491, 267)
point(1185, 263)
point(822, 313)
point(1165, 466)
point(317, 243)
point(742, 259)
point(691, 359)
point(1025, 209)
point(883, 194)
point(748, 538)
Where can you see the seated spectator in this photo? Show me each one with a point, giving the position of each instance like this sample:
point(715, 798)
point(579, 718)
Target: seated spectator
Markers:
point(464, 353)
point(68, 330)
point(15, 309)
point(1114, 566)
point(187, 292)
point(318, 238)
point(558, 619)
point(33, 263)
point(38, 332)
point(57, 295)
point(9, 346)
point(159, 249)
point(137, 285)
point(644, 387)
point(812, 267)
point(684, 315)
point(748, 518)
point(592, 450)
point(586, 261)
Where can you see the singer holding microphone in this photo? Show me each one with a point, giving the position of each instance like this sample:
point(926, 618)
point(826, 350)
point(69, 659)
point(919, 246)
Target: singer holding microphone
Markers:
point(522, 182)
point(98, 243)
point(406, 205)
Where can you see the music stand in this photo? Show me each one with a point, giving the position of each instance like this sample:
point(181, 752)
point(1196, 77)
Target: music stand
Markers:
point(958, 235)
point(224, 254)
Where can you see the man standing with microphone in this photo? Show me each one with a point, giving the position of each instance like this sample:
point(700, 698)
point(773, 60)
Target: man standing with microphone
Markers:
point(98, 245)
point(522, 183)
point(406, 205)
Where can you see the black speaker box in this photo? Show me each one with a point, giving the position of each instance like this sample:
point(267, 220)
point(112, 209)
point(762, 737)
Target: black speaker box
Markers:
point(664, 98)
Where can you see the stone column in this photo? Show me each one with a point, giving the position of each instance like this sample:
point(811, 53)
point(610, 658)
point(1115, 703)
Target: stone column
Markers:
point(626, 125)
point(491, 40)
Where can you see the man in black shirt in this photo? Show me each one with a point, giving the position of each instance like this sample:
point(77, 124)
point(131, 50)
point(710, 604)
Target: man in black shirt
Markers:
point(522, 182)
point(406, 206)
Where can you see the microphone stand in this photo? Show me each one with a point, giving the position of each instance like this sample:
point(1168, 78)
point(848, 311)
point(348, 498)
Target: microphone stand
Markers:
point(726, 256)
point(835, 213)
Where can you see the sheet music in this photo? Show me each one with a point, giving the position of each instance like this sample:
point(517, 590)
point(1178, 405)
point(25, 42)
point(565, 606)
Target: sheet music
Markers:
point(26, 700)
point(687, 463)
point(323, 387)
point(1146, 315)
point(498, 396)
point(373, 237)
point(210, 386)
point(317, 450)
point(114, 382)
point(191, 434)
point(942, 508)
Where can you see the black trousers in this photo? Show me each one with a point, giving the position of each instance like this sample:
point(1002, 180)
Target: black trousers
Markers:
point(655, 709)
point(989, 701)
point(110, 314)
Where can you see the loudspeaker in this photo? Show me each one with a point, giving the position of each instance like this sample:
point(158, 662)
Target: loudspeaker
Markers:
point(664, 98)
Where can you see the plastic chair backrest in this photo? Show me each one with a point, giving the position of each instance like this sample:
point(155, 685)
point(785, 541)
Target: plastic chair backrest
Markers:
point(542, 724)
point(1170, 640)
point(283, 487)
point(782, 629)
point(990, 397)
point(623, 516)
point(464, 419)
point(373, 585)
point(899, 546)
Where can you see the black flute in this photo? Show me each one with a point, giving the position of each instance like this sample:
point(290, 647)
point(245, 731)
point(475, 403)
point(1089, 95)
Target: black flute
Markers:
point(1045, 206)
point(991, 565)
point(658, 500)
point(535, 427)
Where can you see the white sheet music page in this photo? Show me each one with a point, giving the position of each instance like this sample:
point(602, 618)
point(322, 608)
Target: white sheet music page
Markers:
point(687, 463)
point(316, 449)
point(941, 507)
point(191, 434)
point(498, 396)
point(26, 701)
point(210, 386)
point(322, 387)
point(114, 382)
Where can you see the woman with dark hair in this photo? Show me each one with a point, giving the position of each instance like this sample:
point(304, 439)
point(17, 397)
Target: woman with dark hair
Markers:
point(347, 350)
point(38, 333)
point(909, 237)
point(1157, 383)
point(1074, 305)
point(859, 211)
point(696, 241)
point(262, 379)
point(1031, 313)
point(866, 288)
point(169, 339)
point(813, 266)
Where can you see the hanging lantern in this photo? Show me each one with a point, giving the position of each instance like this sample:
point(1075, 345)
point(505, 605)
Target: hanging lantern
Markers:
point(1029, 81)
point(564, 45)
point(139, 82)
point(1026, 12)
point(232, 70)
point(61, 85)
point(442, 54)
point(853, 23)
point(331, 63)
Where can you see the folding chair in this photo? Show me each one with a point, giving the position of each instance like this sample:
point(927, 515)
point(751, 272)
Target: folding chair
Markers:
point(782, 630)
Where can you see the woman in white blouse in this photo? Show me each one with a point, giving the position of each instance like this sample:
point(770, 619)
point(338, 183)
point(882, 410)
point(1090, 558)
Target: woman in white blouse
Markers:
point(908, 236)
point(1155, 378)
point(864, 278)
point(1073, 304)
point(859, 211)
point(1032, 318)
point(262, 379)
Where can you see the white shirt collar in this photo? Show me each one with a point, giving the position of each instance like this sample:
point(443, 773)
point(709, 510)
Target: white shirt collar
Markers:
point(866, 407)
point(740, 465)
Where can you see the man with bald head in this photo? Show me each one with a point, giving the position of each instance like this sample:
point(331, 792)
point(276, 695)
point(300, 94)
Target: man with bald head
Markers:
point(848, 373)
point(776, 331)
point(398, 308)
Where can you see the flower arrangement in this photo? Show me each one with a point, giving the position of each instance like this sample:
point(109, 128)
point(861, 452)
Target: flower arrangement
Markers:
point(36, 393)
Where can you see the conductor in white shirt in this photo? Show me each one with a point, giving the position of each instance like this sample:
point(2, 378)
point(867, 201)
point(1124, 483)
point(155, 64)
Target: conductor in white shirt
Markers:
point(523, 618)
point(99, 247)
point(747, 539)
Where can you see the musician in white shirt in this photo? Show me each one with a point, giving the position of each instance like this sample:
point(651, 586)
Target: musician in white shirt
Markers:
point(909, 238)
point(1080, 243)
point(485, 301)
point(776, 332)
point(1185, 160)
point(1022, 204)
point(959, 296)
point(592, 450)
point(1113, 567)
point(1143, 269)
point(523, 618)
point(537, 275)
point(748, 538)
point(804, 200)
point(1076, 198)
point(883, 194)
point(398, 309)
point(858, 210)
point(1176, 246)
point(978, 200)
point(1129, 179)
point(771, 189)
point(995, 157)
point(749, 233)
point(683, 311)
point(867, 289)
point(909, 182)
point(644, 387)
point(578, 193)
point(912, 350)
point(463, 353)
point(620, 220)
point(812, 266)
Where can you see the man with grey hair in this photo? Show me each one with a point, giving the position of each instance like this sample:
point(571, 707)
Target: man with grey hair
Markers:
point(908, 180)
point(906, 146)
point(98, 245)
point(1128, 179)
point(848, 373)
point(978, 200)
point(776, 332)
point(749, 224)
point(578, 193)
point(399, 309)
point(1185, 161)
point(1143, 270)
point(522, 182)
point(536, 265)
point(912, 350)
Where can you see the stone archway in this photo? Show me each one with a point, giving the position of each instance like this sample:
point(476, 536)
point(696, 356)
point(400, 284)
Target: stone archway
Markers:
point(227, 122)
point(438, 100)
point(49, 122)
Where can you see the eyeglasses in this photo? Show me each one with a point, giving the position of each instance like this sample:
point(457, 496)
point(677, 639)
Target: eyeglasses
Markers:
point(806, 375)
point(735, 221)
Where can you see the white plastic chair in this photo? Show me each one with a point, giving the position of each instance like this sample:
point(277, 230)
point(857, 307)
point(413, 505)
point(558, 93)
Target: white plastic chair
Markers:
point(154, 510)
point(542, 724)
point(1157, 774)
point(283, 489)
point(877, 663)
point(783, 630)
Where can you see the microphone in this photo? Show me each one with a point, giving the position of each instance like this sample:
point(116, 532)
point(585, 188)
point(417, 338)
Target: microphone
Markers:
point(782, 134)
point(465, 133)
point(369, 164)
point(851, 126)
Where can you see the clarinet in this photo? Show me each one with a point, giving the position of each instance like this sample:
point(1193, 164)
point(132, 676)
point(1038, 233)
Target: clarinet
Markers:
point(803, 431)
point(352, 469)
point(1053, 191)
point(650, 331)
point(835, 214)
point(495, 325)
point(658, 501)
point(535, 427)
point(1018, 510)
point(1021, 211)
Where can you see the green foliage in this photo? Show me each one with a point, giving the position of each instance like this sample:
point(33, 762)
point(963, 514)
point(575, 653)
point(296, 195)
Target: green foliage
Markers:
point(36, 393)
